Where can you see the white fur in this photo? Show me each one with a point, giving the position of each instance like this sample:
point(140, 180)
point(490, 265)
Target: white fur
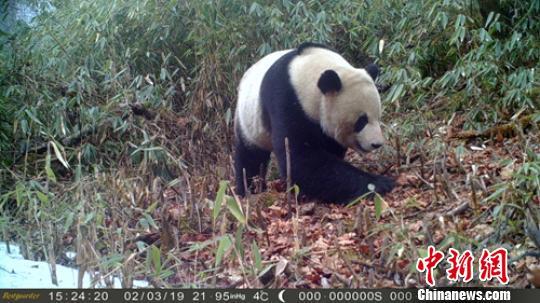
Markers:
point(337, 113)
point(249, 109)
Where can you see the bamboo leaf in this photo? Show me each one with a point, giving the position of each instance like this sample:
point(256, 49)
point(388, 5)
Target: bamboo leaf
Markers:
point(219, 201)
point(238, 241)
point(58, 154)
point(224, 245)
point(33, 117)
point(152, 207)
point(378, 206)
point(42, 197)
point(257, 259)
point(69, 220)
point(236, 210)
point(155, 256)
point(497, 193)
point(48, 169)
point(489, 18)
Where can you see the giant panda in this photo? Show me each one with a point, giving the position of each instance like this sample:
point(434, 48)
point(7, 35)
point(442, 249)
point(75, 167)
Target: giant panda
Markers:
point(323, 105)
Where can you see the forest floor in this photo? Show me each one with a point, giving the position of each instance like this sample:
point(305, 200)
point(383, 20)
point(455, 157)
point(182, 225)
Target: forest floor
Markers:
point(447, 197)
point(465, 194)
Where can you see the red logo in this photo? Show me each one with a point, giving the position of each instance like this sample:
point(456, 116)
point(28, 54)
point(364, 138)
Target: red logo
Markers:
point(490, 265)
point(460, 265)
point(494, 265)
point(429, 263)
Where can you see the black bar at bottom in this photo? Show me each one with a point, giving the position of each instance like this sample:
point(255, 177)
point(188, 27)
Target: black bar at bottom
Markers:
point(269, 295)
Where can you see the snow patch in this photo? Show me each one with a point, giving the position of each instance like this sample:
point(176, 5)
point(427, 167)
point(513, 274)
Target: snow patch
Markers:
point(16, 272)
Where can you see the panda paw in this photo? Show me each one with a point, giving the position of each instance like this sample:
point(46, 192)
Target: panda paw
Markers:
point(383, 184)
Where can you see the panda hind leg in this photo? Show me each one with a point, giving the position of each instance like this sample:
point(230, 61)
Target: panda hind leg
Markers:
point(251, 161)
point(328, 178)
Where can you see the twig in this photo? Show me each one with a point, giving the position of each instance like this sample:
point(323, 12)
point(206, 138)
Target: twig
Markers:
point(371, 277)
point(445, 178)
point(425, 181)
point(348, 263)
point(422, 163)
point(398, 155)
point(244, 274)
point(358, 222)
point(189, 196)
point(365, 219)
point(52, 258)
point(342, 279)
point(474, 201)
point(244, 183)
point(289, 181)
point(196, 206)
point(246, 194)
point(458, 210)
point(435, 177)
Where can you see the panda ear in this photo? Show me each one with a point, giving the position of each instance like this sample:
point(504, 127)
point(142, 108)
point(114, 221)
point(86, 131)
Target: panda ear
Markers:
point(373, 70)
point(329, 82)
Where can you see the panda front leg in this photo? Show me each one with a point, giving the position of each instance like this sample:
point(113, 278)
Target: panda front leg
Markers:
point(324, 176)
point(251, 161)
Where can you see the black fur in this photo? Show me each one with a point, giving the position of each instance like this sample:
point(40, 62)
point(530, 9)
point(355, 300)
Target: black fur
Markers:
point(361, 123)
point(373, 70)
point(300, 49)
point(251, 159)
point(317, 164)
point(329, 82)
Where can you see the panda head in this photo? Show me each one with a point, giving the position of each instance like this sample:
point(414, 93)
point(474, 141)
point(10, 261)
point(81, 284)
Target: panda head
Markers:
point(350, 111)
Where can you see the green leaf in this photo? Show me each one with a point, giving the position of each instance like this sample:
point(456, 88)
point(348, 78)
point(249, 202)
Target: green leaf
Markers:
point(224, 245)
point(197, 246)
point(34, 118)
point(497, 193)
point(238, 243)
point(257, 259)
point(444, 20)
point(152, 207)
point(219, 201)
point(48, 169)
point(489, 18)
point(78, 173)
point(42, 197)
point(228, 116)
point(69, 220)
point(19, 188)
point(422, 252)
point(150, 220)
point(396, 92)
point(235, 209)
point(449, 240)
point(112, 261)
point(59, 155)
point(378, 206)
point(155, 256)
point(295, 190)
point(89, 217)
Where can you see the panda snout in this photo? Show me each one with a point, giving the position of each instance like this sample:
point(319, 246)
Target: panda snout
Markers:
point(376, 145)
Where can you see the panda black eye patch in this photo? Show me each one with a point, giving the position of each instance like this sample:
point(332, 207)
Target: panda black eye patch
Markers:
point(361, 123)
